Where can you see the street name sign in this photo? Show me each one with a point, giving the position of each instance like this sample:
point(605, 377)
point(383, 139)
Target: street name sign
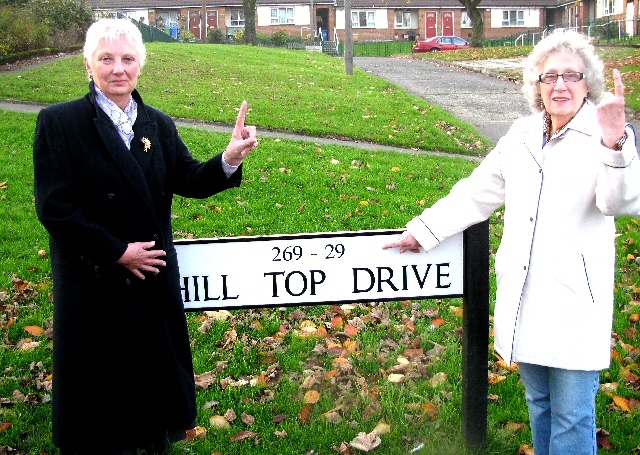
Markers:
point(316, 268)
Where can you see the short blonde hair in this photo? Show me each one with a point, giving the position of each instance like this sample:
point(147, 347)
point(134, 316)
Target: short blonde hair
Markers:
point(570, 42)
point(110, 29)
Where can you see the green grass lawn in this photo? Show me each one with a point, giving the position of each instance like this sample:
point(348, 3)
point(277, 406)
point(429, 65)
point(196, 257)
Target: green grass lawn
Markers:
point(304, 92)
point(279, 390)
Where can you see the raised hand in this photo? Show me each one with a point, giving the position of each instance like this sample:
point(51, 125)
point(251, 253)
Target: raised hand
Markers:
point(611, 114)
point(243, 139)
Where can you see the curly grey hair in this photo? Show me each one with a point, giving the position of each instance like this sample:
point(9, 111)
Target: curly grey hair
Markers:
point(110, 29)
point(565, 41)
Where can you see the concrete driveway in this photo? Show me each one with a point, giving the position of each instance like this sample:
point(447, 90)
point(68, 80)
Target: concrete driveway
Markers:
point(479, 98)
point(472, 91)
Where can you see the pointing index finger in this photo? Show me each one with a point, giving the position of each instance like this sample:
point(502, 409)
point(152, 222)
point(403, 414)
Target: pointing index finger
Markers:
point(617, 83)
point(241, 116)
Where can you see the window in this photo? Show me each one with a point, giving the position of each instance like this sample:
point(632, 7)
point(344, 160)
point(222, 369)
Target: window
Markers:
point(513, 18)
point(466, 20)
point(237, 18)
point(363, 19)
point(403, 19)
point(282, 15)
point(609, 7)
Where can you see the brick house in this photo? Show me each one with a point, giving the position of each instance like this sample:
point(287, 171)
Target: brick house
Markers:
point(375, 19)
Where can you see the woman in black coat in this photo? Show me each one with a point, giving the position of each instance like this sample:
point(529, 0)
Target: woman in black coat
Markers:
point(106, 169)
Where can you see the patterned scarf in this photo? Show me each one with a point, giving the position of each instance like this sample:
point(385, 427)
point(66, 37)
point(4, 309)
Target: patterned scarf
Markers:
point(123, 120)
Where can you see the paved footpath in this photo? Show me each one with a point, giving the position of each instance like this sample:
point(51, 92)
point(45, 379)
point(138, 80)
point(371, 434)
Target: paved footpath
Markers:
point(479, 98)
point(473, 91)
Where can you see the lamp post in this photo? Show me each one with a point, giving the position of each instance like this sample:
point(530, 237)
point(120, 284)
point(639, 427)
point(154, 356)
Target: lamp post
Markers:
point(203, 22)
point(313, 22)
point(348, 39)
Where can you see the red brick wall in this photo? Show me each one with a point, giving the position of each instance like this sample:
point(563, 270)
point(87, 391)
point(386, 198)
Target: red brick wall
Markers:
point(371, 34)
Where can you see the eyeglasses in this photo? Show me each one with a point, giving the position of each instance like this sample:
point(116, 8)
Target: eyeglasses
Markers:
point(551, 78)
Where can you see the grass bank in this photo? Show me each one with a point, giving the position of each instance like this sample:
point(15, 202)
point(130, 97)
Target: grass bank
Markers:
point(303, 92)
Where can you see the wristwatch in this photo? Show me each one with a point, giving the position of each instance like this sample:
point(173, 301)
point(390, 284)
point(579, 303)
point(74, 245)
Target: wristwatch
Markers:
point(628, 130)
point(618, 145)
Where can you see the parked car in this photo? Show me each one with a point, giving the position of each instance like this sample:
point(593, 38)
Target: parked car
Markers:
point(439, 43)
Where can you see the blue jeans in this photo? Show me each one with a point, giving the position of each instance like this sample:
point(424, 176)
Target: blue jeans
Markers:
point(562, 409)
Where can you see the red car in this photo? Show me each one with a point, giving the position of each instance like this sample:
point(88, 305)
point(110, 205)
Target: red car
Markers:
point(439, 43)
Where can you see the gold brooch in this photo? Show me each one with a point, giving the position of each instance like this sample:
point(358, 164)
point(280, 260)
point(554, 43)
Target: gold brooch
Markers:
point(147, 144)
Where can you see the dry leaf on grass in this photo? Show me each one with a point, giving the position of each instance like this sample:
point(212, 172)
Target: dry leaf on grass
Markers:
point(219, 422)
point(332, 416)
point(304, 416)
point(196, 433)
point(525, 450)
point(247, 419)
point(34, 330)
point(382, 428)
point(204, 380)
point(366, 442)
point(438, 379)
point(230, 415)
point(279, 418)
point(513, 426)
point(396, 378)
point(242, 435)
point(431, 410)
point(622, 403)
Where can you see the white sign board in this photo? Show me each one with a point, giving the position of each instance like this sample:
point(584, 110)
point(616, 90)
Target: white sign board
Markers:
point(319, 268)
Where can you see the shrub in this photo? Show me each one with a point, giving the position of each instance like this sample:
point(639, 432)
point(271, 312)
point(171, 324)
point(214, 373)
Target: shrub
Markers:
point(296, 39)
point(68, 20)
point(279, 38)
point(187, 37)
point(216, 36)
point(19, 32)
point(263, 39)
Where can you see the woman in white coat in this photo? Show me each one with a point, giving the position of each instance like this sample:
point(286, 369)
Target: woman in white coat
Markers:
point(562, 174)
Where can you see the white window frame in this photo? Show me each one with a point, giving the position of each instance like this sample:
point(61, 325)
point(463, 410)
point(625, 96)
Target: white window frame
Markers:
point(237, 18)
point(369, 17)
point(514, 18)
point(403, 19)
point(609, 7)
point(465, 20)
point(169, 18)
point(282, 15)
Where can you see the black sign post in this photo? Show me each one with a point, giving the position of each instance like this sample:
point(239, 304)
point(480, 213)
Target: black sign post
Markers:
point(475, 335)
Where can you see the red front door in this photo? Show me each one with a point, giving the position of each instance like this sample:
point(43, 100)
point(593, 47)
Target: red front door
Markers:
point(431, 19)
point(194, 24)
point(447, 23)
point(212, 20)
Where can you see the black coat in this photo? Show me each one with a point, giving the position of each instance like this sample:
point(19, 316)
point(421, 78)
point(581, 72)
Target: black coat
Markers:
point(122, 367)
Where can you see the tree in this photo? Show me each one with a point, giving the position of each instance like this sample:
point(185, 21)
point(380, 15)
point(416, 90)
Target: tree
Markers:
point(19, 32)
point(68, 20)
point(14, 2)
point(475, 13)
point(62, 14)
point(250, 36)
